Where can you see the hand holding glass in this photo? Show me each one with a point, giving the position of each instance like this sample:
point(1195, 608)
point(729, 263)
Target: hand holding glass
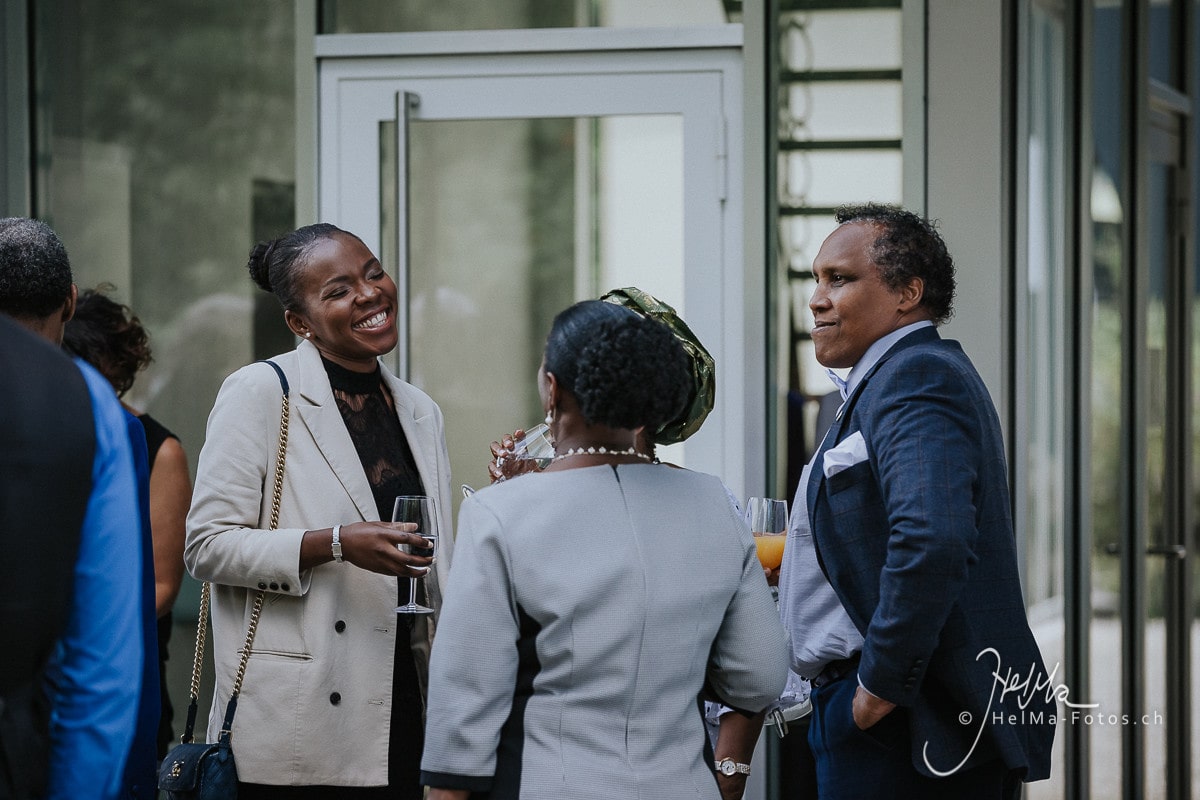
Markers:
point(536, 444)
point(533, 451)
point(418, 509)
point(767, 519)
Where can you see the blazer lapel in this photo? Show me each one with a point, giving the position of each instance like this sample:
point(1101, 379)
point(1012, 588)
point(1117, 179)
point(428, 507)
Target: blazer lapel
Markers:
point(319, 412)
point(838, 429)
point(418, 431)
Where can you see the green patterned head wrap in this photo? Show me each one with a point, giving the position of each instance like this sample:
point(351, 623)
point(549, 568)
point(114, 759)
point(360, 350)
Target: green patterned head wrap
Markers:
point(704, 371)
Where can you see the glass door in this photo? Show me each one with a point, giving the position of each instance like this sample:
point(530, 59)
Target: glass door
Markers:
point(1165, 716)
point(505, 175)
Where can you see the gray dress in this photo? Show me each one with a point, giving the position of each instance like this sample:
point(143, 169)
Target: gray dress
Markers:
point(586, 611)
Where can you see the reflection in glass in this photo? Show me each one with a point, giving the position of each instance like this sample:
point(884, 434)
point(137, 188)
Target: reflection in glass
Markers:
point(510, 221)
point(835, 177)
point(1157, 497)
point(851, 39)
point(388, 16)
point(1164, 51)
point(1042, 358)
point(1108, 400)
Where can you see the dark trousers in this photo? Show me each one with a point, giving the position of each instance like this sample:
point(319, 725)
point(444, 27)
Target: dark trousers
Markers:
point(877, 763)
point(797, 768)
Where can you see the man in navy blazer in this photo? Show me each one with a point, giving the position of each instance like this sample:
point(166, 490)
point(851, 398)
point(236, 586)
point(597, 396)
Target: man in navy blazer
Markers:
point(900, 585)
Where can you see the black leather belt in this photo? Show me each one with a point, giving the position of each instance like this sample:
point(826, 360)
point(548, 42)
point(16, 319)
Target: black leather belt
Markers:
point(836, 670)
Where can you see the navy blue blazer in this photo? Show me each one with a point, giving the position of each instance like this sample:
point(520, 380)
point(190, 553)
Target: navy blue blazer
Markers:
point(917, 541)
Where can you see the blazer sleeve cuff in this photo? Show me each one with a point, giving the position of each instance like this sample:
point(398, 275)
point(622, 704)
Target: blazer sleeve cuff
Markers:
point(902, 692)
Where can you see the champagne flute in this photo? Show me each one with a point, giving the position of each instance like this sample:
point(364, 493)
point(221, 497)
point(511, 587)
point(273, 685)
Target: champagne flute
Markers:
point(418, 509)
point(767, 519)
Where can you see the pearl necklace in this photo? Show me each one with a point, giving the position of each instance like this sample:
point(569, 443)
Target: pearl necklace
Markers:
point(601, 451)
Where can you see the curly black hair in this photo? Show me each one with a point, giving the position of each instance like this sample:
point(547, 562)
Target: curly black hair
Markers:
point(108, 336)
point(909, 246)
point(35, 273)
point(625, 370)
point(274, 265)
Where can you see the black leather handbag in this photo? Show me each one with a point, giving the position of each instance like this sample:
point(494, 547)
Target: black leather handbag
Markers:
point(201, 771)
point(195, 770)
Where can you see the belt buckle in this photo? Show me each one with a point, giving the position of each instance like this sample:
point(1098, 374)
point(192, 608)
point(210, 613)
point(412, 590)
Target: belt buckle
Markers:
point(779, 718)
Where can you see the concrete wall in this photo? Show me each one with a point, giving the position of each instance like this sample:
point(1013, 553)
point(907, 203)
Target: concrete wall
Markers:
point(965, 170)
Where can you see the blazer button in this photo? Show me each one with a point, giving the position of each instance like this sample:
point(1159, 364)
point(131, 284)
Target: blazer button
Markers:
point(339, 626)
point(274, 586)
point(285, 587)
point(262, 585)
point(335, 698)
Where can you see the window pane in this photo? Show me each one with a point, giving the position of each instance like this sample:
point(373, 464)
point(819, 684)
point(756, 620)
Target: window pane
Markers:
point(1108, 331)
point(510, 222)
point(388, 16)
point(834, 177)
point(840, 110)
point(154, 177)
point(841, 40)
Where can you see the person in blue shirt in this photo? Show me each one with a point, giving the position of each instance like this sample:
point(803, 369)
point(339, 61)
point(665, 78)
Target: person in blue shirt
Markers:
point(95, 676)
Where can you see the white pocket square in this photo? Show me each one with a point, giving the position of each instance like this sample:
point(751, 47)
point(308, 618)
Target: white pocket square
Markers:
point(848, 452)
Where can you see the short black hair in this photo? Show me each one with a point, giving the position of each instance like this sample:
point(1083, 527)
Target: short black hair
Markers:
point(35, 273)
point(908, 246)
point(274, 265)
point(108, 336)
point(624, 370)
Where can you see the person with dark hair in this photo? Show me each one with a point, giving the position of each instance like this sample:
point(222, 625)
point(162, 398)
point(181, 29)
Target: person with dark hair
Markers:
point(700, 382)
point(68, 502)
point(899, 584)
point(332, 701)
point(36, 287)
point(592, 602)
point(108, 336)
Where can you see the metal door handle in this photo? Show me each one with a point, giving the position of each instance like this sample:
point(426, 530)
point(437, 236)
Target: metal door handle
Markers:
point(1170, 550)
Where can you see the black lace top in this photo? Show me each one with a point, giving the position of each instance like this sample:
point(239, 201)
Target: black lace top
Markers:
point(370, 415)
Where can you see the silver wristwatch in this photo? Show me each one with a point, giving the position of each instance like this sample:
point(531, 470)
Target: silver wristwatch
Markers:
point(727, 767)
point(337, 543)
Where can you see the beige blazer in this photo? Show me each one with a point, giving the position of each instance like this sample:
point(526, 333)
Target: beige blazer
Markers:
point(315, 704)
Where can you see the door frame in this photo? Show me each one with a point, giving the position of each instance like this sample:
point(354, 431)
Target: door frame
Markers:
point(728, 318)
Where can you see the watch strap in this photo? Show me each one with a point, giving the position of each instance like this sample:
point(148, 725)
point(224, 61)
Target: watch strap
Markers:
point(337, 543)
point(727, 766)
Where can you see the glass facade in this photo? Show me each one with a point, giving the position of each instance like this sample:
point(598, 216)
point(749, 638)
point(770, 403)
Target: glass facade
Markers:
point(164, 142)
point(1109, 393)
point(386, 16)
point(1042, 315)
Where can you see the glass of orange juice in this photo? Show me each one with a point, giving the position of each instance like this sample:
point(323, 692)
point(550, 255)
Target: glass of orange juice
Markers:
point(767, 519)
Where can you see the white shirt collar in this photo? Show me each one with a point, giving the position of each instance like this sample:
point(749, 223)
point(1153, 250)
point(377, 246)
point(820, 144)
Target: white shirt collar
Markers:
point(876, 351)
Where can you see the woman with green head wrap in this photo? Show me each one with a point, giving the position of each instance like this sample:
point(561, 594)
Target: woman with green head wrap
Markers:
point(701, 394)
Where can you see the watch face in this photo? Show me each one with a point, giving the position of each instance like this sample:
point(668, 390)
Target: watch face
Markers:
point(728, 767)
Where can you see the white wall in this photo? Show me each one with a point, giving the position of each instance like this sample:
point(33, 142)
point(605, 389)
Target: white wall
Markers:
point(964, 153)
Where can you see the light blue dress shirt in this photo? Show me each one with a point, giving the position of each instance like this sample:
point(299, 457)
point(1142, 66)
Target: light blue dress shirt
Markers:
point(818, 626)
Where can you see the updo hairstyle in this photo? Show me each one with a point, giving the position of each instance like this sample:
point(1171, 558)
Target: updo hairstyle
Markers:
point(624, 370)
point(108, 336)
point(275, 265)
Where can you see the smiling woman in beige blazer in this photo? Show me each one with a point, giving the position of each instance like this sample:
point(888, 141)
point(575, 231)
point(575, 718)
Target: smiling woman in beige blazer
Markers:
point(333, 691)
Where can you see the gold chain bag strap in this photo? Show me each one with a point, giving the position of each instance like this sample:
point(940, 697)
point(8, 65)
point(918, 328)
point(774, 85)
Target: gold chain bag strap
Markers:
point(197, 771)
